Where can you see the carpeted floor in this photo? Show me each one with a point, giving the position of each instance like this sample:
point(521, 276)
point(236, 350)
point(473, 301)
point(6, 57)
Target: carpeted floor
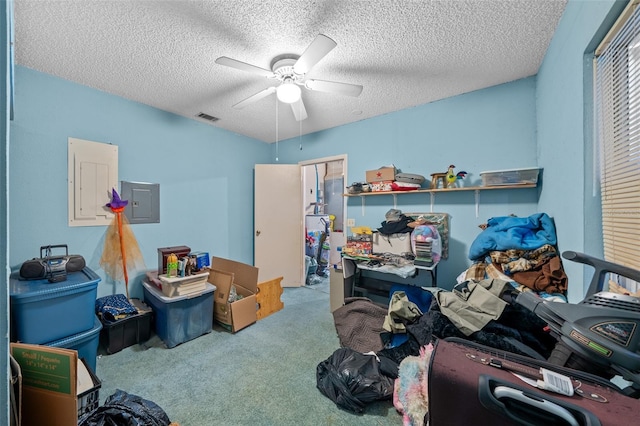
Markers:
point(263, 375)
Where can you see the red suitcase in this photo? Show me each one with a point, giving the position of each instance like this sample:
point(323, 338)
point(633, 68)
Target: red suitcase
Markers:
point(472, 384)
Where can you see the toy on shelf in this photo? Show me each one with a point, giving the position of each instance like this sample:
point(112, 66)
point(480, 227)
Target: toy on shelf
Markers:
point(448, 179)
point(453, 177)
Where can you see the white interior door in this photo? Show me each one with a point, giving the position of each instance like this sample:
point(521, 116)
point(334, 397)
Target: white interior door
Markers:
point(278, 223)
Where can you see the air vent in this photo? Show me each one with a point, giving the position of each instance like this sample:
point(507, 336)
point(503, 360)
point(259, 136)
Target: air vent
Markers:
point(615, 301)
point(207, 117)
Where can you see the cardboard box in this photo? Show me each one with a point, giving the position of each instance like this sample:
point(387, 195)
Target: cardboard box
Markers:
point(202, 259)
point(55, 385)
point(381, 174)
point(224, 274)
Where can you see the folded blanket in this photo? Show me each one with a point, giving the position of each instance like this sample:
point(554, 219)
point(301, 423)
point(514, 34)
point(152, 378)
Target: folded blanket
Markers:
point(114, 307)
point(509, 232)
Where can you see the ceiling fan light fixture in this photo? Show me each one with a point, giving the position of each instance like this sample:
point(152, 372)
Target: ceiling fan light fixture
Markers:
point(288, 92)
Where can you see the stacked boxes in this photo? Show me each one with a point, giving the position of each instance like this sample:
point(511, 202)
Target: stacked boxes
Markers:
point(85, 343)
point(424, 254)
point(182, 305)
point(60, 314)
point(381, 179)
point(183, 286)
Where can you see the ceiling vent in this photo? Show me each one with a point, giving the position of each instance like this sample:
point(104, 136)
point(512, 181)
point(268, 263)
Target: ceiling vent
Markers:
point(207, 117)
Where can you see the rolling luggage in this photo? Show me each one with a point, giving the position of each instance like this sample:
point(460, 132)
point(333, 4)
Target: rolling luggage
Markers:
point(472, 384)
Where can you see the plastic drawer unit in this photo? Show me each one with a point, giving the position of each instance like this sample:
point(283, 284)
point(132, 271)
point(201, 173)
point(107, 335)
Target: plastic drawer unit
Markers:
point(182, 318)
point(42, 312)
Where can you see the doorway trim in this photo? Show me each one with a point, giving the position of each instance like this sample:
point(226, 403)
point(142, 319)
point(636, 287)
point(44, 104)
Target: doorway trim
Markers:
point(312, 162)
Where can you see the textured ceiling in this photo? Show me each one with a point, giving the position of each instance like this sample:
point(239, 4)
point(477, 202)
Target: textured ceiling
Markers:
point(404, 53)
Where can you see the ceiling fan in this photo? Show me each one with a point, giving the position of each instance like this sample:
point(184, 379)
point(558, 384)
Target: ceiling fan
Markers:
point(290, 70)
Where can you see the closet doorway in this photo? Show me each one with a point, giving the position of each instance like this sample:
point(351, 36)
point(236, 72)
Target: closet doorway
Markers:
point(323, 203)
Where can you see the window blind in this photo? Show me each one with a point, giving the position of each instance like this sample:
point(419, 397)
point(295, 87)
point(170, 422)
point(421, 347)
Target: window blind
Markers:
point(617, 119)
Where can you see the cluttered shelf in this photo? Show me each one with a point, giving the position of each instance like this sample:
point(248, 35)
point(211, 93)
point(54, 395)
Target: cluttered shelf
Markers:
point(378, 287)
point(468, 188)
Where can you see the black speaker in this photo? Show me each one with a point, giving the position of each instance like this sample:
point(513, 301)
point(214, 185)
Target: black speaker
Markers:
point(54, 268)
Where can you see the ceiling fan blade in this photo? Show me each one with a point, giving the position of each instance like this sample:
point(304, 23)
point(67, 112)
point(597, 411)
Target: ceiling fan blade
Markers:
point(334, 87)
point(316, 51)
point(243, 66)
point(299, 111)
point(251, 99)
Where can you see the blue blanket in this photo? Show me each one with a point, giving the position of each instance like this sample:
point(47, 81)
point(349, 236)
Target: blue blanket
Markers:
point(508, 232)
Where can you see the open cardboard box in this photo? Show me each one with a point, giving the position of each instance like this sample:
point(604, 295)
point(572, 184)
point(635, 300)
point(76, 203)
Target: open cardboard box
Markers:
point(225, 273)
point(258, 301)
point(55, 385)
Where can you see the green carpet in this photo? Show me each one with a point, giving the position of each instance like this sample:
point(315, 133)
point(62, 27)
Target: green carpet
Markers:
point(263, 375)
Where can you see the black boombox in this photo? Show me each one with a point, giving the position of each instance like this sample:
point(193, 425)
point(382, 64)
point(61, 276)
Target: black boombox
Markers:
point(53, 268)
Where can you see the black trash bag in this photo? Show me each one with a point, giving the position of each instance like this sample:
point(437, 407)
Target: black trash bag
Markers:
point(124, 409)
point(352, 379)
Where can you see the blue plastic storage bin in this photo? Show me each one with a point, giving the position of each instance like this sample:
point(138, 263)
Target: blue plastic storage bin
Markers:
point(182, 318)
point(42, 312)
point(86, 343)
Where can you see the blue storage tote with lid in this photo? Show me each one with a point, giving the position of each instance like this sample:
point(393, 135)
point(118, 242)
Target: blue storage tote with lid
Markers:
point(85, 343)
point(42, 312)
point(180, 318)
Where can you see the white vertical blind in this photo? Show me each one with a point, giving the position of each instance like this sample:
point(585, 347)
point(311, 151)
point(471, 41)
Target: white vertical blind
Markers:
point(617, 108)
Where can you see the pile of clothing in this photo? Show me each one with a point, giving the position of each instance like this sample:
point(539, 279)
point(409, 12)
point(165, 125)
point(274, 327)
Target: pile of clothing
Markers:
point(377, 341)
point(521, 248)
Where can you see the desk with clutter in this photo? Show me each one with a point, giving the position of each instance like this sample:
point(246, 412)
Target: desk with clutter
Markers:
point(405, 249)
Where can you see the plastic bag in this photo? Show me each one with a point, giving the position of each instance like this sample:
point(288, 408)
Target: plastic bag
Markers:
point(426, 243)
point(352, 379)
point(123, 409)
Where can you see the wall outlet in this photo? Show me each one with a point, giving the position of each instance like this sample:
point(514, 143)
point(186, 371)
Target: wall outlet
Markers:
point(351, 222)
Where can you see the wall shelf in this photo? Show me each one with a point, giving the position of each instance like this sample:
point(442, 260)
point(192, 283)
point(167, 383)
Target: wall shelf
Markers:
point(433, 192)
point(468, 188)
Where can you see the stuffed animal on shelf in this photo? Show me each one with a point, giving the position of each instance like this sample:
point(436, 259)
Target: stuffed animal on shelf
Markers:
point(453, 177)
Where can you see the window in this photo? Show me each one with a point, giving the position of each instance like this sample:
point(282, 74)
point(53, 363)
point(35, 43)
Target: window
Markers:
point(617, 119)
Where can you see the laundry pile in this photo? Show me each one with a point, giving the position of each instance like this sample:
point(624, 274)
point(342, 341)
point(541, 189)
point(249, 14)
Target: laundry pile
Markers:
point(384, 352)
point(521, 248)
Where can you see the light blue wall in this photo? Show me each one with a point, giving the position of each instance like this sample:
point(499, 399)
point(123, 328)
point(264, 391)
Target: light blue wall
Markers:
point(489, 129)
point(205, 174)
point(565, 140)
point(206, 192)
